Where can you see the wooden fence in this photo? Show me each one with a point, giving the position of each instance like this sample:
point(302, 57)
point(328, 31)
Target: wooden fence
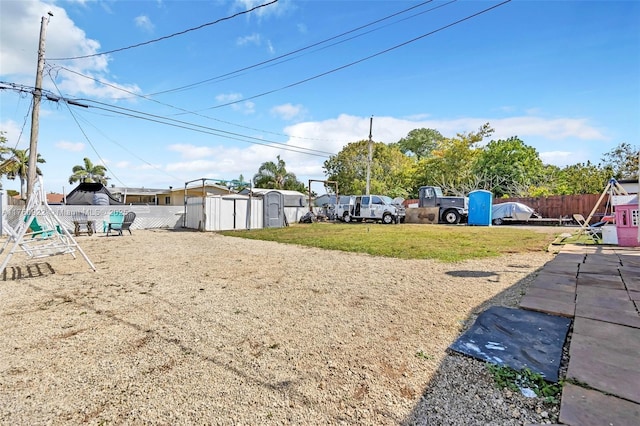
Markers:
point(558, 206)
point(563, 206)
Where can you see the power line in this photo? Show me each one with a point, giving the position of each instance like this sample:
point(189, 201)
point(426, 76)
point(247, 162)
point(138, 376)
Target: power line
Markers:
point(85, 135)
point(186, 125)
point(185, 111)
point(220, 77)
point(382, 52)
point(208, 130)
point(147, 96)
point(129, 151)
point(168, 36)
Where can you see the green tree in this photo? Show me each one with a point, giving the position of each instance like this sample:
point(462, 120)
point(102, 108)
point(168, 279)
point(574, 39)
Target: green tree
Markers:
point(582, 178)
point(89, 173)
point(4, 162)
point(451, 165)
point(420, 143)
point(17, 166)
point(391, 170)
point(623, 160)
point(511, 167)
point(275, 176)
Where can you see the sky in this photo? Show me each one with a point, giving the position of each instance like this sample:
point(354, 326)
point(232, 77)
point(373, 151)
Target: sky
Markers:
point(162, 92)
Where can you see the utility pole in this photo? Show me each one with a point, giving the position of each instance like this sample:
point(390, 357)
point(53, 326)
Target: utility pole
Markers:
point(369, 156)
point(35, 113)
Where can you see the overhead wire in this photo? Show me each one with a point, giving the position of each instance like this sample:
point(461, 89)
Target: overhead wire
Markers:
point(184, 111)
point(288, 147)
point(208, 130)
point(186, 125)
point(302, 49)
point(379, 53)
point(123, 147)
point(104, 163)
point(199, 128)
point(168, 36)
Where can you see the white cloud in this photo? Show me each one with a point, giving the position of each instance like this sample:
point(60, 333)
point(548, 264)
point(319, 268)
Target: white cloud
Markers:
point(288, 111)
point(333, 134)
point(70, 146)
point(19, 32)
point(228, 97)
point(250, 39)
point(246, 107)
point(188, 151)
point(194, 166)
point(276, 9)
point(122, 165)
point(144, 22)
point(554, 129)
point(12, 133)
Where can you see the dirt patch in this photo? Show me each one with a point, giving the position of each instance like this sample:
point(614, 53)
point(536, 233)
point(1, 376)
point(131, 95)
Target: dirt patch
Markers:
point(193, 328)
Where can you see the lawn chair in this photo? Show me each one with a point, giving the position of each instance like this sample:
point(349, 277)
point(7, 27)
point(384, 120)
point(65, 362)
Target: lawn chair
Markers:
point(37, 230)
point(593, 232)
point(115, 222)
point(126, 224)
point(79, 219)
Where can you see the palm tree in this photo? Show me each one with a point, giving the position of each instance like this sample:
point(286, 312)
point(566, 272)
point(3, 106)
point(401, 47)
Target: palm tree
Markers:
point(275, 176)
point(89, 173)
point(17, 166)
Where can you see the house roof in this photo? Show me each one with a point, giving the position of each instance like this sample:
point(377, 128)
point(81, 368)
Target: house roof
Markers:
point(263, 191)
point(54, 198)
point(137, 191)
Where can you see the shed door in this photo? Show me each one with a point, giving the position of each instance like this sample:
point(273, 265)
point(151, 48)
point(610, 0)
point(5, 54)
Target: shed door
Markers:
point(273, 210)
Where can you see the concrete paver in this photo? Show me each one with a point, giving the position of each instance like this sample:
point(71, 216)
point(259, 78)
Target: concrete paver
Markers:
point(605, 345)
point(557, 281)
point(585, 407)
point(601, 280)
point(628, 318)
point(548, 306)
point(603, 368)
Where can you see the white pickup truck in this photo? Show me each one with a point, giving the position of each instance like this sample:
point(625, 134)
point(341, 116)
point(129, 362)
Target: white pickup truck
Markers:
point(371, 207)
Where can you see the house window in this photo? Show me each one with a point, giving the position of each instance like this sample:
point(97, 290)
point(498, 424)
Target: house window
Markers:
point(167, 200)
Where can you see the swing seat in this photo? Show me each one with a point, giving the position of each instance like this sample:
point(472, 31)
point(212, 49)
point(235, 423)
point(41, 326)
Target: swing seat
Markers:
point(36, 249)
point(38, 230)
point(36, 240)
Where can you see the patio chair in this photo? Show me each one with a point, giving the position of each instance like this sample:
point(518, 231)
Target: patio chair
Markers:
point(37, 230)
point(115, 222)
point(126, 224)
point(594, 232)
point(79, 219)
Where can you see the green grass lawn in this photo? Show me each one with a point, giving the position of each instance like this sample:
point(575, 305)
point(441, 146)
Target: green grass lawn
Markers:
point(407, 241)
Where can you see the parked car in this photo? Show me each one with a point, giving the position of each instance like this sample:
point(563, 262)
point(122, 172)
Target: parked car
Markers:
point(511, 211)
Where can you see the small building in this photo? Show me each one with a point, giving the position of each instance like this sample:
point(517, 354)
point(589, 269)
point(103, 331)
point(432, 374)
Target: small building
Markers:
point(166, 197)
point(295, 203)
point(629, 185)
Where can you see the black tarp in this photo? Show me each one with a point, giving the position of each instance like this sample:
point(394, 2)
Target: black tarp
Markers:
point(517, 338)
point(91, 194)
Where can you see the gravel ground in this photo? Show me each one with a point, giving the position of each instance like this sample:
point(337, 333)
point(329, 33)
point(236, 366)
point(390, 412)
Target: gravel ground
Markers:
point(197, 328)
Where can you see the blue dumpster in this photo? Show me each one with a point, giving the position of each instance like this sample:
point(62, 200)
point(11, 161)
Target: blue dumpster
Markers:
point(480, 203)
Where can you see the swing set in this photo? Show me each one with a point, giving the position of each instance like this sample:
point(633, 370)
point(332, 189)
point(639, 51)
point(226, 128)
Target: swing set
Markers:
point(40, 234)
